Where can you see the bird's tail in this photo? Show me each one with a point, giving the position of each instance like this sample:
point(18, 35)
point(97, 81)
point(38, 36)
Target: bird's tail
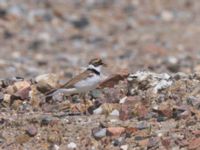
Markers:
point(50, 92)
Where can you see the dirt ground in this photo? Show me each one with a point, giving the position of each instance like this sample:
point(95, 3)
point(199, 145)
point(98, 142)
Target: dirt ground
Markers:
point(151, 47)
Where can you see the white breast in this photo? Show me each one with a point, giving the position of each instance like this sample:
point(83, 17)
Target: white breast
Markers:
point(88, 84)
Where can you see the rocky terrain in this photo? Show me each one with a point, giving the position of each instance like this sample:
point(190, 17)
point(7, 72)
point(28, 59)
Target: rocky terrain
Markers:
point(150, 99)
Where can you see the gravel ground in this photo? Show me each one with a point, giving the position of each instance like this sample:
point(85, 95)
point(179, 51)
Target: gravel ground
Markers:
point(152, 52)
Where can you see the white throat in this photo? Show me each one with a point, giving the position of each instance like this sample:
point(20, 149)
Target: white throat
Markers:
point(98, 68)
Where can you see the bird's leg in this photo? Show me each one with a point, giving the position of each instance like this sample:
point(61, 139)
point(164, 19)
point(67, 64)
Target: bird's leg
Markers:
point(83, 96)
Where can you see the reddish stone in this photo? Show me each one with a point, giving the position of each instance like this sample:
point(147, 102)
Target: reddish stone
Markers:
point(115, 131)
point(194, 144)
point(141, 111)
point(124, 113)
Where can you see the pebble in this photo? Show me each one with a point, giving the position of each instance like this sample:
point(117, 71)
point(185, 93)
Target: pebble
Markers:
point(194, 101)
point(46, 82)
point(99, 133)
point(71, 145)
point(55, 147)
point(167, 16)
point(98, 111)
point(31, 131)
point(118, 141)
point(172, 64)
point(54, 138)
point(142, 125)
point(95, 94)
point(46, 120)
point(115, 131)
point(80, 23)
point(123, 100)
point(115, 112)
point(21, 85)
point(124, 147)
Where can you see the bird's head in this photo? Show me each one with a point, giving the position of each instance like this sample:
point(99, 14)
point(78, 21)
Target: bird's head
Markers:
point(96, 64)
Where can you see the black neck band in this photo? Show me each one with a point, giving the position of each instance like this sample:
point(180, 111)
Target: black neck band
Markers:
point(94, 70)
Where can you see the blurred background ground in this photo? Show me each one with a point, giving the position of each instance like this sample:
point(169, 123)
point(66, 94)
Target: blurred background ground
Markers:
point(61, 36)
point(40, 36)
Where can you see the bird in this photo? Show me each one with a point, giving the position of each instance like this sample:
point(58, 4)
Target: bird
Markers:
point(83, 82)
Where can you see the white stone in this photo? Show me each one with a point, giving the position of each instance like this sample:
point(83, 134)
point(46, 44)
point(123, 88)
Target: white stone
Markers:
point(123, 100)
point(124, 147)
point(167, 16)
point(98, 111)
point(71, 145)
point(56, 147)
point(115, 112)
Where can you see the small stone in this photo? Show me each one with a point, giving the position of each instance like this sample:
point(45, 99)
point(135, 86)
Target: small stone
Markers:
point(22, 138)
point(21, 85)
point(196, 132)
point(123, 100)
point(46, 82)
point(6, 99)
point(124, 112)
point(143, 142)
point(3, 12)
point(172, 64)
point(180, 75)
point(55, 147)
point(80, 23)
point(166, 142)
point(23, 93)
point(7, 34)
point(181, 112)
point(35, 44)
point(115, 131)
point(141, 111)
point(10, 81)
point(161, 118)
point(54, 138)
point(55, 97)
point(124, 147)
point(95, 94)
point(194, 144)
point(99, 133)
point(153, 142)
point(139, 138)
point(20, 88)
point(167, 16)
point(31, 131)
point(164, 110)
point(76, 99)
point(115, 112)
point(16, 104)
point(71, 145)
point(98, 111)
point(142, 125)
point(130, 131)
point(45, 120)
point(118, 141)
point(194, 101)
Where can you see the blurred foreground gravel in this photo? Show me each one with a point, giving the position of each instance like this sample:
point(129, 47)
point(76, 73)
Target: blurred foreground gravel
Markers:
point(152, 47)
